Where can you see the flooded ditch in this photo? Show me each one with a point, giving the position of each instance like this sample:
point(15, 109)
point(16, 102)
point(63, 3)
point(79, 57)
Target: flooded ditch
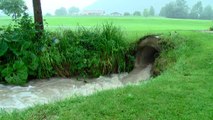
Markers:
point(50, 90)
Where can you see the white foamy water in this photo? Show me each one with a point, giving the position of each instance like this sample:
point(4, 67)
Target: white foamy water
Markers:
point(45, 91)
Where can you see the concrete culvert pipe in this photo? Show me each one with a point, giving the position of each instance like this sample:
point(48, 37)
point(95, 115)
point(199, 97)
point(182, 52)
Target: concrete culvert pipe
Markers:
point(147, 51)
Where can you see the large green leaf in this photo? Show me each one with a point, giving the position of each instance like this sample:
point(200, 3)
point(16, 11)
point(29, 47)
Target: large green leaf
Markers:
point(15, 48)
point(31, 60)
point(25, 45)
point(7, 71)
point(3, 47)
point(16, 74)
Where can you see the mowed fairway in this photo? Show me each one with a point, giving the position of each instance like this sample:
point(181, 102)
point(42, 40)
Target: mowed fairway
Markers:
point(134, 27)
point(130, 24)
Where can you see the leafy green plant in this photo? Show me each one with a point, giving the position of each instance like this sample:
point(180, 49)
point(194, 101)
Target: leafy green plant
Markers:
point(211, 28)
point(15, 73)
point(85, 52)
point(3, 47)
point(18, 58)
point(170, 45)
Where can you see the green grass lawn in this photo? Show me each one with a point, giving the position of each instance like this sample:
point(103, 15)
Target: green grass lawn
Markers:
point(126, 23)
point(133, 26)
point(5, 20)
point(182, 92)
point(132, 23)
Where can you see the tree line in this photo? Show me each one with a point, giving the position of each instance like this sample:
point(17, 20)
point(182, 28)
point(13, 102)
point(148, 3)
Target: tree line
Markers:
point(146, 12)
point(64, 12)
point(180, 9)
point(174, 9)
point(74, 10)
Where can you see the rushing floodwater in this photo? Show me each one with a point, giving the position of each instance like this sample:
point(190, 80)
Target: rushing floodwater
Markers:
point(44, 91)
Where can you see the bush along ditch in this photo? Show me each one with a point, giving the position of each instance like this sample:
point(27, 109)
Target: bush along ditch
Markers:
point(211, 28)
point(18, 58)
point(85, 52)
point(171, 46)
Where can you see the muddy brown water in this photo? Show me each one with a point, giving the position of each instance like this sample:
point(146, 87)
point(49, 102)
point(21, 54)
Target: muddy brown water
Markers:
point(55, 89)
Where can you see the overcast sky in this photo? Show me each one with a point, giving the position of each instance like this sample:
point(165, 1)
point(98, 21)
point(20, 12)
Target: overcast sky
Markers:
point(49, 6)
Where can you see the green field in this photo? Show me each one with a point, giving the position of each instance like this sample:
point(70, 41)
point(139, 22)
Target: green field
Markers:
point(131, 23)
point(182, 92)
point(133, 26)
point(126, 23)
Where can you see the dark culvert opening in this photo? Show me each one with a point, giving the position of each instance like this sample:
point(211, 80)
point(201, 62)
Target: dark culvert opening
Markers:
point(146, 56)
point(146, 52)
point(148, 49)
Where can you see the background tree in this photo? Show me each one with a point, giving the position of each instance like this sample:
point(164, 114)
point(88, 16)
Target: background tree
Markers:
point(14, 8)
point(207, 13)
point(163, 11)
point(61, 11)
point(73, 10)
point(48, 14)
point(181, 9)
point(145, 12)
point(137, 13)
point(177, 9)
point(196, 10)
point(127, 14)
point(168, 10)
point(152, 11)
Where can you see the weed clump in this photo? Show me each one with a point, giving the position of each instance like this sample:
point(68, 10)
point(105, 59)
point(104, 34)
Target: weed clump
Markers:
point(171, 46)
point(18, 58)
point(84, 52)
point(211, 28)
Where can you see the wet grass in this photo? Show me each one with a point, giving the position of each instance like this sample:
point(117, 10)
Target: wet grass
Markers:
point(127, 23)
point(131, 23)
point(134, 27)
point(183, 92)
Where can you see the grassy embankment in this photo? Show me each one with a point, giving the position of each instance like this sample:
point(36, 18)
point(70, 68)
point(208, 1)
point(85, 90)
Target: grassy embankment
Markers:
point(184, 91)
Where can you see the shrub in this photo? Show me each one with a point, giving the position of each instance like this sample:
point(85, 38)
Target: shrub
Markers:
point(211, 28)
point(127, 14)
point(85, 52)
point(137, 13)
point(17, 55)
point(171, 47)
